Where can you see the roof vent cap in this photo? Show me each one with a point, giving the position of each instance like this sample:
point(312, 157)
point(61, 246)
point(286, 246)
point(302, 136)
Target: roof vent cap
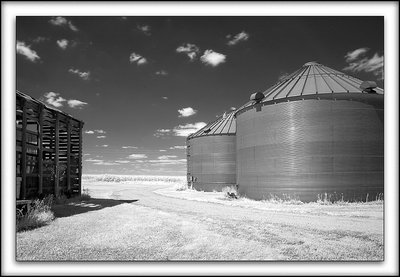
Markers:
point(258, 96)
point(311, 63)
point(368, 86)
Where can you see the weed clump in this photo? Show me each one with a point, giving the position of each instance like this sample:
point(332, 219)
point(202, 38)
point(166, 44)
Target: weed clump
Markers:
point(230, 192)
point(39, 214)
point(283, 199)
point(85, 195)
point(181, 186)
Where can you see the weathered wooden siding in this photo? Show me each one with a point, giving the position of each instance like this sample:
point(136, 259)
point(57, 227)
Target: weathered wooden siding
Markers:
point(48, 150)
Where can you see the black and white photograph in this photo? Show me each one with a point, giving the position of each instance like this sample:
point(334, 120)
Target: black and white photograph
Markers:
point(167, 134)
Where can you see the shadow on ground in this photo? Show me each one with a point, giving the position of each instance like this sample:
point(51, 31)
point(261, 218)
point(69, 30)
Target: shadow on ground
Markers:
point(79, 207)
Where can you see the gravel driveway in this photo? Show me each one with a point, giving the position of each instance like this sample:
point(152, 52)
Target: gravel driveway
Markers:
point(130, 222)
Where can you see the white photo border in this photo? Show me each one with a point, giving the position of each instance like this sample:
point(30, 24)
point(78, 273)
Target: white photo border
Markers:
point(263, 8)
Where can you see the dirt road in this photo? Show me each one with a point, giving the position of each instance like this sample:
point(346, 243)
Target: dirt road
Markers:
point(156, 227)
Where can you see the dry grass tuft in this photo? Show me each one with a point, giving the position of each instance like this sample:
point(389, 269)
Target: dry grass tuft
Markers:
point(39, 215)
point(230, 192)
point(284, 199)
point(181, 186)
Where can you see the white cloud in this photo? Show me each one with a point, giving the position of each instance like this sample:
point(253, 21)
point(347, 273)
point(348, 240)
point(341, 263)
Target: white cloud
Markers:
point(59, 20)
point(129, 147)
point(137, 156)
point(242, 36)
point(63, 43)
point(62, 21)
point(165, 97)
point(95, 131)
point(167, 162)
point(212, 58)
point(84, 75)
point(40, 39)
point(167, 157)
point(145, 29)
point(162, 150)
point(73, 103)
point(187, 129)
point(101, 136)
point(162, 72)
point(123, 162)
point(282, 76)
point(26, 51)
point(106, 163)
point(353, 55)
point(104, 145)
point(178, 147)
point(54, 99)
point(191, 50)
point(162, 132)
point(136, 58)
point(357, 62)
point(185, 112)
point(93, 160)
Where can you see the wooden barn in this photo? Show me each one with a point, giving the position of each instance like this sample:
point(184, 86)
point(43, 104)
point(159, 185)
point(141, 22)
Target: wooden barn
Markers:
point(48, 150)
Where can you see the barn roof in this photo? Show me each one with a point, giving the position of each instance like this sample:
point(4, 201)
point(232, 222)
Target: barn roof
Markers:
point(314, 79)
point(31, 99)
point(224, 125)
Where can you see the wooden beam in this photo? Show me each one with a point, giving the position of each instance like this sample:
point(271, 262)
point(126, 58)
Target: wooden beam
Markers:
point(56, 175)
point(40, 150)
point(23, 154)
point(68, 154)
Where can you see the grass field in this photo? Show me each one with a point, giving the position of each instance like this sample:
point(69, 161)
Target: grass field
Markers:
point(137, 218)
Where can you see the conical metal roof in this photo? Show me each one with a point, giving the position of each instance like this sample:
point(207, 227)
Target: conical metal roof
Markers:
point(224, 125)
point(313, 79)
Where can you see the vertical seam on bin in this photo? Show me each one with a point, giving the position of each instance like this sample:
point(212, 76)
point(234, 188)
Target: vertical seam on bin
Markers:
point(322, 76)
point(301, 74)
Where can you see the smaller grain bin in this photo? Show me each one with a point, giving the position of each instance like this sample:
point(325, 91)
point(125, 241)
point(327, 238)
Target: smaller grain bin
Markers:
point(211, 155)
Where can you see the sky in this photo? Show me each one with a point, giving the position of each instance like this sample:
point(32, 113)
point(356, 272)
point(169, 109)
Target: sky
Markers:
point(141, 84)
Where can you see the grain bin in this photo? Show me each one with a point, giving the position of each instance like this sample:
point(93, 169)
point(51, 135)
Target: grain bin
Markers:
point(211, 155)
point(318, 133)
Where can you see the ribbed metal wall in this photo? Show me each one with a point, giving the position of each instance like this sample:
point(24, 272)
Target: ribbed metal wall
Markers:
point(303, 148)
point(212, 161)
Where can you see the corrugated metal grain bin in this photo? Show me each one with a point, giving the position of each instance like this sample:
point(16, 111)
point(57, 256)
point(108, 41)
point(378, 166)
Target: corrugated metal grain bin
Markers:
point(319, 133)
point(211, 155)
